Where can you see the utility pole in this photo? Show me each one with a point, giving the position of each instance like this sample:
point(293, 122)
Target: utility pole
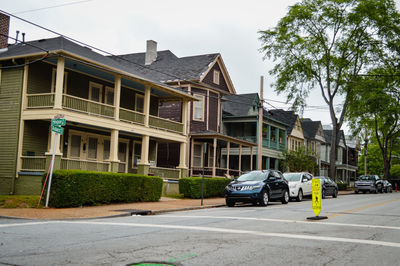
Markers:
point(365, 152)
point(260, 124)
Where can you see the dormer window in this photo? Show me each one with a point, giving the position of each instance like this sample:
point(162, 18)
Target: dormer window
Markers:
point(216, 77)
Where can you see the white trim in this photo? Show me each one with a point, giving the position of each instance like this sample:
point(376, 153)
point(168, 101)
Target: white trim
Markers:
point(216, 77)
point(107, 89)
point(201, 156)
point(100, 87)
point(53, 80)
point(194, 106)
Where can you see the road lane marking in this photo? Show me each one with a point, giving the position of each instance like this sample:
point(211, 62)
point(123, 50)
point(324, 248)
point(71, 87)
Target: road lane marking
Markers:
point(23, 224)
point(282, 221)
point(362, 208)
point(245, 232)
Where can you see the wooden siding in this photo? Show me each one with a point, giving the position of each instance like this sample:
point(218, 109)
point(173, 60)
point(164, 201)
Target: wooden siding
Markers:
point(35, 138)
point(210, 78)
point(172, 111)
point(39, 78)
point(213, 110)
point(10, 109)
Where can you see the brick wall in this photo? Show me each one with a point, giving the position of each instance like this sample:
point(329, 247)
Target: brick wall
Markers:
point(4, 28)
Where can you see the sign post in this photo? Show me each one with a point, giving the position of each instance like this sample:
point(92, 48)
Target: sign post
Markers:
point(316, 200)
point(56, 124)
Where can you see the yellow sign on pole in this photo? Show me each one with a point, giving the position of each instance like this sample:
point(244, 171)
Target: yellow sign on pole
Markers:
point(316, 196)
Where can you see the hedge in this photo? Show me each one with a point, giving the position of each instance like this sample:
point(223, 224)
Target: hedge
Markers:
point(72, 188)
point(190, 187)
point(342, 186)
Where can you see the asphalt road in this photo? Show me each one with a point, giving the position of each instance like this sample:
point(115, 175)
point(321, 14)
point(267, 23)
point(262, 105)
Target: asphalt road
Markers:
point(360, 230)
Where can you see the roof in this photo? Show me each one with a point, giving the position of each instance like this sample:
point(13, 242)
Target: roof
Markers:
point(169, 67)
point(287, 117)
point(239, 104)
point(310, 128)
point(328, 136)
point(55, 45)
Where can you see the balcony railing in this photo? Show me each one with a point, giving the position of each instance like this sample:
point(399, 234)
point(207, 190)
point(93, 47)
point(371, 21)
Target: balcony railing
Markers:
point(165, 172)
point(84, 165)
point(165, 124)
point(87, 106)
point(131, 116)
point(219, 172)
point(33, 163)
point(41, 100)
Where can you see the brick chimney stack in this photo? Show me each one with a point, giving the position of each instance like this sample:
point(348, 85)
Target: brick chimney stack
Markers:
point(151, 52)
point(4, 28)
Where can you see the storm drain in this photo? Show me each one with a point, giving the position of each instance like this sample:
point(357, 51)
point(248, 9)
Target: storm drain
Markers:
point(136, 212)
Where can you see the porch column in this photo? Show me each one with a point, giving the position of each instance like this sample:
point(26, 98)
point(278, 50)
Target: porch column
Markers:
point(228, 147)
point(146, 106)
point(251, 158)
point(191, 156)
point(117, 95)
point(269, 136)
point(185, 105)
point(59, 83)
point(240, 158)
point(214, 170)
point(114, 150)
point(277, 137)
point(144, 166)
point(182, 161)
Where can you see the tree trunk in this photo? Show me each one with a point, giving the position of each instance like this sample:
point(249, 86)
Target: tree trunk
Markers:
point(332, 154)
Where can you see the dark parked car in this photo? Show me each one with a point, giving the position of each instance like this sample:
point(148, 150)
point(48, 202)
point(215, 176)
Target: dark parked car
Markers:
point(257, 187)
point(387, 186)
point(370, 183)
point(328, 187)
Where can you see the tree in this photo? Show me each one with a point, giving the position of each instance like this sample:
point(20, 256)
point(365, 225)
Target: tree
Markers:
point(300, 161)
point(374, 106)
point(325, 45)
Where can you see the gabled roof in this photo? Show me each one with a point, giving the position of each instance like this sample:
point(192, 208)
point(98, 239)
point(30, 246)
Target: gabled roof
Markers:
point(310, 128)
point(239, 104)
point(287, 117)
point(62, 45)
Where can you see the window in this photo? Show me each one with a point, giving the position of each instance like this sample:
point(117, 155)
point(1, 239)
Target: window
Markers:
point(139, 103)
point(92, 148)
point(109, 96)
point(53, 82)
point(122, 152)
point(75, 146)
point(95, 91)
point(216, 77)
point(197, 155)
point(137, 153)
point(210, 155)
point(106, 150)
point(198, 108)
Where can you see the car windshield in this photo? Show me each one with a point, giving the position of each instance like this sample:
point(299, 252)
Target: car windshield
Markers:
point(292, 176)
point(252, 176)
point(366, 178)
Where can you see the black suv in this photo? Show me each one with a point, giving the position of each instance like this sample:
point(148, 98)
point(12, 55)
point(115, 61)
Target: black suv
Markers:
point(370, 183)
point(258, 187)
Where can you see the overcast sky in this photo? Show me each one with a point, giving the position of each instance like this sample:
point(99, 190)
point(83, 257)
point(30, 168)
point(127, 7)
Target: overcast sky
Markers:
point(185, 27)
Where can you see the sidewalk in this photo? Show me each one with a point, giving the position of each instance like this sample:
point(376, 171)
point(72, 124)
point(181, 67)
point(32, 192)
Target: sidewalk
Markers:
point(116, 210)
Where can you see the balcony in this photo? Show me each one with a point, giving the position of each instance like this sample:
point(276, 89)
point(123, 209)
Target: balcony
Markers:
point(69, 102)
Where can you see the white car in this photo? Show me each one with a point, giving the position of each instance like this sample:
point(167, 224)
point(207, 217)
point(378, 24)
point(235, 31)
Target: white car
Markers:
point(299, 184)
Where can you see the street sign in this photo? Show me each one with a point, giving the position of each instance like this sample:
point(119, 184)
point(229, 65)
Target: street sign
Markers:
point(58, 122)
point(57, 129)
point(316, 196)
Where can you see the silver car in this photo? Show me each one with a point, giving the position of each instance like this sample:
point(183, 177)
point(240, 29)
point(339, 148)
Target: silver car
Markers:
point(368, 183)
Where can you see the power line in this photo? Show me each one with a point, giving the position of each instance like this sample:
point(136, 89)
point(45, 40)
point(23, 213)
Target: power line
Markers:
point(49, 7)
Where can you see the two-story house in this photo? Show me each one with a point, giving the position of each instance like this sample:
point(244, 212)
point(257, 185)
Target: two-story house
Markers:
point(314, 138)
point(112, 113)
point(240, 120)
point(206, 78)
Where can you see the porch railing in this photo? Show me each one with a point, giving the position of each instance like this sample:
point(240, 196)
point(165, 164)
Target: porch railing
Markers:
point(33, 163)
point(87, 106)
point(84, 165)
point(159, 122)
point(165, 172)
point(219, 172)
point(131, 116)
point(40, 100)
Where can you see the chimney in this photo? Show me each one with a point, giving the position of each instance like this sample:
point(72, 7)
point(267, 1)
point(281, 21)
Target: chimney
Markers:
point(151, 52)
point(4, 28)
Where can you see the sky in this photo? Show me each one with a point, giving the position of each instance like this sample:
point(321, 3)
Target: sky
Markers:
point(187, 28)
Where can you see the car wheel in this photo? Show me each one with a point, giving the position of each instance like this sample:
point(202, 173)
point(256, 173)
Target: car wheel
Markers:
point(229, 203)
point(391, 190)
point(265, 198)
point(364, 191)
point(300, 195)
point(335, 193)
point(285, 197)
point(356, 191)
point(323, 194)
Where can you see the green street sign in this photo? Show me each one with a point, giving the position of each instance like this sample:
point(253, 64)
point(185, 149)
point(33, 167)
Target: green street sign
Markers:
point(58, 122)
point(57, 129)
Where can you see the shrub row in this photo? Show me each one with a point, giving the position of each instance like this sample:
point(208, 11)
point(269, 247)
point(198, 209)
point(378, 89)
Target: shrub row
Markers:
point(72, 188)
point(342, 186)
point(190, 187)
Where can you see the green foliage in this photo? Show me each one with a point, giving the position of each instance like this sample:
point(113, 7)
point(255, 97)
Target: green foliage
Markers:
point(300, 161)
point(19, 201)
point(342, 186)
point(395, 171)
point(72, 188)
point(374, 161)
point(190, 187)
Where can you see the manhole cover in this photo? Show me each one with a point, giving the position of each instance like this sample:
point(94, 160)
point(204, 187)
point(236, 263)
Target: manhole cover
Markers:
point(135, 212)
